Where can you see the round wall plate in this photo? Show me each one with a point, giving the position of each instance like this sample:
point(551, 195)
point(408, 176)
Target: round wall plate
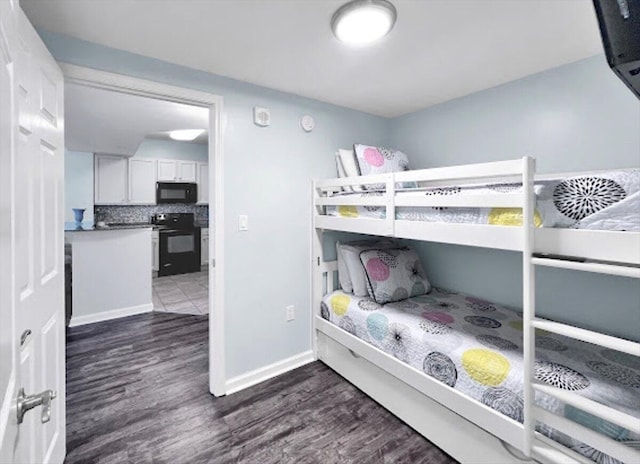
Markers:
point(307, 123)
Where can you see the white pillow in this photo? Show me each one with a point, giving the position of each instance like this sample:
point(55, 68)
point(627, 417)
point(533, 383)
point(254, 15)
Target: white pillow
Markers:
point(349, 165)
point(343, 272)
point(339, 167)
point(351, 256)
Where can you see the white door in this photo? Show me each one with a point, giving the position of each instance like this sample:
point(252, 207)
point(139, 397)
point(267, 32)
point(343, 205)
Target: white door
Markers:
point(155, 251)
point(142, 181)
point(31, 243)
point(187, 171)
point(167, 170)
point(203, 183)
point(204, 246)
point(110, 180)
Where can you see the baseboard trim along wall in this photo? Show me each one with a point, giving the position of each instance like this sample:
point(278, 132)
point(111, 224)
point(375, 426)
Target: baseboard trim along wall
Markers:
point(108, 315)
point(257, 376)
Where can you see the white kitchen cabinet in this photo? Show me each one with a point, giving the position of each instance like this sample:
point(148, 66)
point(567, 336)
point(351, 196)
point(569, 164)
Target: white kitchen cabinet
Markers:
point(155, 251)
point(142, 181)
point(204, 246)
point(203, 183)
point(187, 171)
point(176, 171)
point(167, 170)
point(110, 180)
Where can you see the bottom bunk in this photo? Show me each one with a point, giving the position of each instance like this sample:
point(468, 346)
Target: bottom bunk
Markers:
point(466, 353)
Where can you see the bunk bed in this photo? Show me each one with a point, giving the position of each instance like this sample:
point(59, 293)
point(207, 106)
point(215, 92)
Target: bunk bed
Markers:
point(468, 429)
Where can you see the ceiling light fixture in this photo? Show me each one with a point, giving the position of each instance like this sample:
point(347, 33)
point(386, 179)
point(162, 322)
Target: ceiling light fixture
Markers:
point(185, 135)
point(361, 22)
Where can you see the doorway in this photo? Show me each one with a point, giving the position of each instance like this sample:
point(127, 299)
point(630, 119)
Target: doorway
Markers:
point(211, 274)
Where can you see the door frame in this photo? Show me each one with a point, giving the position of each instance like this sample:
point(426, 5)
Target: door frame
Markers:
point(89, 77)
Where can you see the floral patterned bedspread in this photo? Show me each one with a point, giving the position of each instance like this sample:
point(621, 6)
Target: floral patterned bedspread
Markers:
point(606, 201)
point(476, 347)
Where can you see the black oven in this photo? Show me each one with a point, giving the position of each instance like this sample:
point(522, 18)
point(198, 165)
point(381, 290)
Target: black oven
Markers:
point(176, 192)
point(179, 243)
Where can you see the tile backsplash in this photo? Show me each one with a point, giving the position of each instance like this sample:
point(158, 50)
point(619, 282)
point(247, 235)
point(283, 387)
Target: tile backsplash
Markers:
point(110, 214)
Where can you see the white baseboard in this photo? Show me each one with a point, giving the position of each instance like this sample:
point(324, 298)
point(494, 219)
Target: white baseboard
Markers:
point(108, 315)
point(257, 376)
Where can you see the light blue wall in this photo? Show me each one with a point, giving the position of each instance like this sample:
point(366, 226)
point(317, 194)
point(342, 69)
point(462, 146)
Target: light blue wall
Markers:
point(573, 118)
point(268, 174)
point(170, 149)
point(78, 184)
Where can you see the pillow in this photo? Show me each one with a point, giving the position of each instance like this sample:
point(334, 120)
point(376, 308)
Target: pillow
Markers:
point(351, 255)
point(340, 167)
point(347, 161)
point(343, 272)
point(379, 160)
point(394, 274)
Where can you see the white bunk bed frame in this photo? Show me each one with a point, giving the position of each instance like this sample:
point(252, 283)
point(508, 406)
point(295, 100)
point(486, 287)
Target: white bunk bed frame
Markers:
point(465, 428)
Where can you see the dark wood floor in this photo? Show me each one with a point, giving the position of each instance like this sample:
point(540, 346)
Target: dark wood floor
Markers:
point(137, 393)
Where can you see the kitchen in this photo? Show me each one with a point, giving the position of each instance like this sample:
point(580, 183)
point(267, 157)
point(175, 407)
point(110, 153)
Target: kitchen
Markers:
point(136, 206)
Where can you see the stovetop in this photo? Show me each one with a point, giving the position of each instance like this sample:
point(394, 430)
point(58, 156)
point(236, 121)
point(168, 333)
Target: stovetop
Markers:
point(174, 220)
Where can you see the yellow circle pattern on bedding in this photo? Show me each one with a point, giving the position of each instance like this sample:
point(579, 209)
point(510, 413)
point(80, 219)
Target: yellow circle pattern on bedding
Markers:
point(340, 304)
point(511, 217)
point(485, 366)
point(348, 211)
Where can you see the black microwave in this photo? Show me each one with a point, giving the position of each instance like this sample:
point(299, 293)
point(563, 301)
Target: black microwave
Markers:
point(176, 192)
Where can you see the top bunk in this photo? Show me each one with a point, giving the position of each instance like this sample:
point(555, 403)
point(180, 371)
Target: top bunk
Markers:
point(500, 205)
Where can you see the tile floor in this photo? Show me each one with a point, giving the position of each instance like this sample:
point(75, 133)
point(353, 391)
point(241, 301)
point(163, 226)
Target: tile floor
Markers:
point(182, 293)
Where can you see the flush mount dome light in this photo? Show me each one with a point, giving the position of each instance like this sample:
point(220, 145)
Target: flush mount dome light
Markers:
point(185, 135)
point(361, 22)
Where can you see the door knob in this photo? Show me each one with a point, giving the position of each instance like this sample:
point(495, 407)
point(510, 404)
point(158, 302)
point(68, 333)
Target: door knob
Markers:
point(27, 402)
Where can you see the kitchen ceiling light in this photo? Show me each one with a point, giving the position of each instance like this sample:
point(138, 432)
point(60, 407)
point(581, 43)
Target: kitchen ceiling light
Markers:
point(185, 135)
point(361, 22)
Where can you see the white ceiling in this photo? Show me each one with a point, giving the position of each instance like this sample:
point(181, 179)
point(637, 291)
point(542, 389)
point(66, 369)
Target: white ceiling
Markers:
point(102, 121)
point(438, 50)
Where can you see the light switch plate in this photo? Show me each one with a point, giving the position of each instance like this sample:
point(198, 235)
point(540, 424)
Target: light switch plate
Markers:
point(243, 222)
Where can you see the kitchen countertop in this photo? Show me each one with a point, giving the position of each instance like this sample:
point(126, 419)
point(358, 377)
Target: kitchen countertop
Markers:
point(73, 227)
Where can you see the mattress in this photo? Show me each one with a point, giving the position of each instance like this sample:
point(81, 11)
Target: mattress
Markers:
point(475, 347)
point(606, 201)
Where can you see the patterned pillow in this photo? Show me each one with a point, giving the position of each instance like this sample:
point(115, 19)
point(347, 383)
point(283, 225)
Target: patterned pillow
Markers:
point(355, 280)
point(394, 274)
point(379, 160)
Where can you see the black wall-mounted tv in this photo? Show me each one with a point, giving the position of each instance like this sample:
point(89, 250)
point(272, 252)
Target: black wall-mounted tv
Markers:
point(620, 29)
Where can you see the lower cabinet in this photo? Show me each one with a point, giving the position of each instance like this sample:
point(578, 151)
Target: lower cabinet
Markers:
point(204, 246)
point(155, 251)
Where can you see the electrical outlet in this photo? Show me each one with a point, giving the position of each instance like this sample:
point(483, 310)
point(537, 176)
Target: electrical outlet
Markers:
point(291, 313)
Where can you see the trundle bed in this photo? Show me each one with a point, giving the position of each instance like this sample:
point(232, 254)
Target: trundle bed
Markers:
point(422, 357)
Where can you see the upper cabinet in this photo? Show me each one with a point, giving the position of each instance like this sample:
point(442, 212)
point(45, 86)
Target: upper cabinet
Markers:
point(176, 171)
point(187, 171)
point(110, 180)
point(142, 181)
point(119, 180)
point(203, 183)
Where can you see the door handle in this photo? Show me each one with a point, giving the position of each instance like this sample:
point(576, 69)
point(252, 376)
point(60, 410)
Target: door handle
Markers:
point(28, 402)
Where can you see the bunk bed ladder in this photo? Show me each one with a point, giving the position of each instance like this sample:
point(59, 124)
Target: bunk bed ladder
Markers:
point(535, 443)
